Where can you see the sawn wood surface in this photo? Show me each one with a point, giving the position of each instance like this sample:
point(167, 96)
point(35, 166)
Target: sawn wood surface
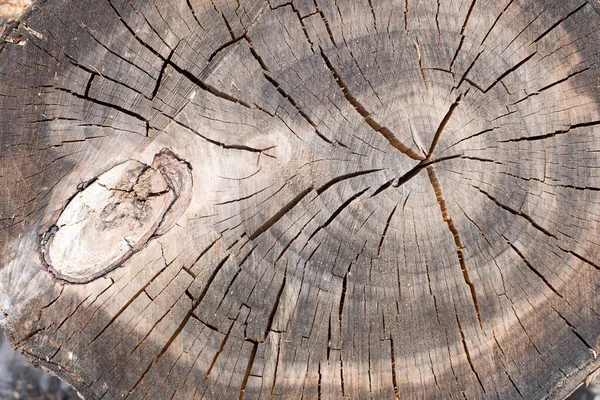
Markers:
point(309, 199)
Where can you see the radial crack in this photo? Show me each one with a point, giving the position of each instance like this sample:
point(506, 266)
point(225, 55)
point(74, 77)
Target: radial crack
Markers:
point(418, 47)
point(440, 129)
point(394, 378)
point(191, 77)
point(220, 144)
point(549, 86)
point(504, 74)
point(515, 212)
point(471, 137)
point(273, 311)
point(105, 104)
point(382, 130)
point(248, 369)
point(397, 182)
point(459, 246)
point(535, 270)
point(279, 214)
point(302, 113)
point(559, 22)
point(170, 341)
point(570, 325)
point(162, 73)
point(462, 33)
point(337, 212)
point(552, 134)
point(127, 304)
point(466, 348)
point(387, 225)
point(496, 22)
point(341, 178)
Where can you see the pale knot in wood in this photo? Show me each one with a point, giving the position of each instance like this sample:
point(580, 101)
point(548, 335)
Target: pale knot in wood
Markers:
point(115, 215)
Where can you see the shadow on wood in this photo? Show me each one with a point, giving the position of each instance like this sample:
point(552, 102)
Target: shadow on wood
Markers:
point(357, 199)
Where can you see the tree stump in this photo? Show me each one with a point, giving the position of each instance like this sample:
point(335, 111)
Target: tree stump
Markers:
point(303, 199)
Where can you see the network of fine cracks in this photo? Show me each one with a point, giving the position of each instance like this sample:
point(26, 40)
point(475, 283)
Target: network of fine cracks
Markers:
point(236, 293)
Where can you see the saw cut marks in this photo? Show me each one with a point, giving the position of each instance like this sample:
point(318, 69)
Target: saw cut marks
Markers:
point(115, 215)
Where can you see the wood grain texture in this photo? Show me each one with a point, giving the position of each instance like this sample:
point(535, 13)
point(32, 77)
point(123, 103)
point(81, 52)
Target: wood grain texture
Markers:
point(375, 199)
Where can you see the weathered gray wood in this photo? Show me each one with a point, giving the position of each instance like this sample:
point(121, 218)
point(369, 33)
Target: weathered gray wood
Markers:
point(359, 198)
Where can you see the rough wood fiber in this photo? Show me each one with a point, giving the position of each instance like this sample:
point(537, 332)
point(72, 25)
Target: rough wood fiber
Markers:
point(370, 199)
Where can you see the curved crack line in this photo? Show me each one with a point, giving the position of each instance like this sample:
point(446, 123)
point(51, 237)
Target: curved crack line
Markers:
point(382, 130)
point(458, 243)
point(279, 214)
point(240, 147)
point(341, 178)
point(535, 270)
point(397, 182)
point(517, 213)
point(466, 349)
point(440, 129)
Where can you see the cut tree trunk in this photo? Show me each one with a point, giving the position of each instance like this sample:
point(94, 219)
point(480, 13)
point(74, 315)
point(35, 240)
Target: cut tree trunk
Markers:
point(303, 199)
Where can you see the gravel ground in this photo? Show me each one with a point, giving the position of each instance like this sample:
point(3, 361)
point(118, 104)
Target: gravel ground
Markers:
point(20, 380)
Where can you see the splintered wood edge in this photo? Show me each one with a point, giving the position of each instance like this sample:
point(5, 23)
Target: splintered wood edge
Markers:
point(174, 173)
point(568, 386)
